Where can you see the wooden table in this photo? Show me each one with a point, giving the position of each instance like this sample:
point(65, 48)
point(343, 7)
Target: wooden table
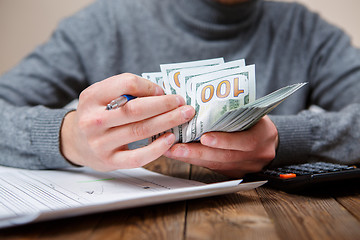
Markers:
point(262, 213)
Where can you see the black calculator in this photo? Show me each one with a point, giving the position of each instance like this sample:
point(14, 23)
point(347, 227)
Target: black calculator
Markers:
point(307, 175)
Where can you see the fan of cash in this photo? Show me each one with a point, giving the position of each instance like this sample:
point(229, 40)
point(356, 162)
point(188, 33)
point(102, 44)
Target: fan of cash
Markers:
point(223, 95)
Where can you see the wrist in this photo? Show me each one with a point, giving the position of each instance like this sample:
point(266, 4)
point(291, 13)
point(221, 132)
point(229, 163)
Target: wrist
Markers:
point(67, 143)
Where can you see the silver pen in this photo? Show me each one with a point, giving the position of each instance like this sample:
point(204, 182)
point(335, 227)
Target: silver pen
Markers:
point(120, 101)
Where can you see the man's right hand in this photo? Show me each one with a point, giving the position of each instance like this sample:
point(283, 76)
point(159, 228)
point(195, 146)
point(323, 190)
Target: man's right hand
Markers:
point(95, 137)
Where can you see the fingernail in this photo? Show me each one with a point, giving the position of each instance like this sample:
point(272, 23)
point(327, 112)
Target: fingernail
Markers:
point(180, 151)
point(170, 139)
point(180, 100)
point(187, 112)
point(209, 140)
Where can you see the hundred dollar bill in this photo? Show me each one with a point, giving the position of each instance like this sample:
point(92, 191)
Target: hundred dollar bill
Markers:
point(186, 76)
point(171, 72)
point(246, 116)
point(223, 95)
point(215, 94)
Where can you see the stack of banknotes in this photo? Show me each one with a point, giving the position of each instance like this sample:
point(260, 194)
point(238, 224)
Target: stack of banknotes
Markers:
point(223, 95)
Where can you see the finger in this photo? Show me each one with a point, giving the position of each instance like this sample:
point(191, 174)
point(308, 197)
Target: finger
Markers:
point(198, 152)
point(142, 108)
point(215, 159)
point(142, 156)
point(149, 127)
point(244, 141)
point(109, 89)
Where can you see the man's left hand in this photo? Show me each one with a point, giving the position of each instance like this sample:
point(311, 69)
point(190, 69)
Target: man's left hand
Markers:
point(232, 154)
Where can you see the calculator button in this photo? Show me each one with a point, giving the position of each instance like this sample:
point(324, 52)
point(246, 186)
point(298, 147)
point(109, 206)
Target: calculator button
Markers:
point(271, 173)
point(287, 175)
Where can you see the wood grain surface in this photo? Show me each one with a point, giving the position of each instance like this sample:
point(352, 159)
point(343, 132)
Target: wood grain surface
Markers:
point(262, 213)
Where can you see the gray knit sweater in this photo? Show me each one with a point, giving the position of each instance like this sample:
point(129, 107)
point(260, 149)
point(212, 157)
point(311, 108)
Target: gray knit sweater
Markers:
point(287, 43)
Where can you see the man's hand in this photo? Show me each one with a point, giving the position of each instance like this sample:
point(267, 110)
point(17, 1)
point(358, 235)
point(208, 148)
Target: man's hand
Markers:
point(232, 154)
point(95, 137)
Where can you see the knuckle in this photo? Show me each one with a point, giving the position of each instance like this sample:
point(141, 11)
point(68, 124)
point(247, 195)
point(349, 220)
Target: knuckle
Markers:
point(263, 159)
point(131, 110)
point(200, 154)
point(86, 95)
point(139, 130)
point(268, 154)
point(106, 165)
point(169, 103)
point(229, 155)
point(84, 124)
point(131, 82)
point(150, 89)
point(105, 158)
point(265, 154)
point(214, 165)
point(97, 147)
point(272, 131)
point(252, 143)
point(133, 161)
point(173, 119)
point(128, 76)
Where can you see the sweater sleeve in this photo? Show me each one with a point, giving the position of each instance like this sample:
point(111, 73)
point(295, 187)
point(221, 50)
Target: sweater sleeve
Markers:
point(334, 80)
point(33, 94)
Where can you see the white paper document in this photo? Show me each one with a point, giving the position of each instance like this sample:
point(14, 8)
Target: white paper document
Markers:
point(37, 195)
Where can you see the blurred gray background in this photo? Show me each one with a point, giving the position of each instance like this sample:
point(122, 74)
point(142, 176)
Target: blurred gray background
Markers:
point(26, 24)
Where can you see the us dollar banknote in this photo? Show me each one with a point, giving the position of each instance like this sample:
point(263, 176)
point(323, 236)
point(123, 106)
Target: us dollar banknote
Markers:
point(223, 95)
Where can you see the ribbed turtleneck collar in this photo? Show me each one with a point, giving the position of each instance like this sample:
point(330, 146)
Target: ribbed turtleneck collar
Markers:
point(213, 20)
